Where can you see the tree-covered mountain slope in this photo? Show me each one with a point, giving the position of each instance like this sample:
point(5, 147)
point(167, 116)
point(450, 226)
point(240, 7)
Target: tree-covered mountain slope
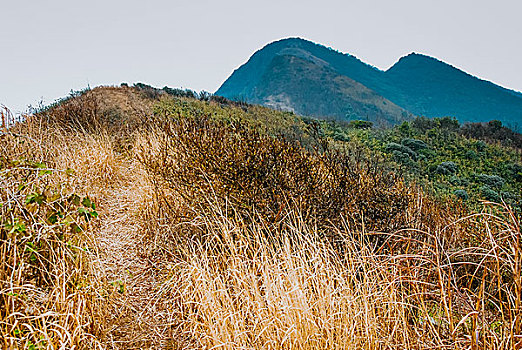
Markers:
point(426, 86)
point(419, 84)
point(290, 83)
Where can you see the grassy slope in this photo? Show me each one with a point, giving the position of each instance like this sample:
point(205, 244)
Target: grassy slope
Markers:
point(171, 272)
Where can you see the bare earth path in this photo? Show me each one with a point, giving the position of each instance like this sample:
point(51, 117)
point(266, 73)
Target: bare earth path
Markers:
point(139, 314)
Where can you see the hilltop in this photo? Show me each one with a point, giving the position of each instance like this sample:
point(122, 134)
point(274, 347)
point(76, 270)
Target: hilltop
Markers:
point(145, 218)
point(299, 75)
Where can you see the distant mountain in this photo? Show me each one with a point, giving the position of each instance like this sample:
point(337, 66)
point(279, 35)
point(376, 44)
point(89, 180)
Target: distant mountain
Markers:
point(427, 86)
point(311, 79)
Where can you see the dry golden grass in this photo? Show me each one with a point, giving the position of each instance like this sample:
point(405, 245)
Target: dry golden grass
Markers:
point(48, 296)
point(237, 289)
point(157, 270)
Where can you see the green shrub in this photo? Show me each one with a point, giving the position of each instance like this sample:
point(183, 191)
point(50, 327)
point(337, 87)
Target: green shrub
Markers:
point(423, 124)
point(447, 168)
point(448, 123)
point(360, 124)
point(492, 181)
point(405, 128)
point(455, 180)
point(471, 154)
point(340, 136)
point(492, 132)
point(414, 144)
point(462, 194)
point(401, 151)
point(514, 172)
point(480, 146)
point(490, 194)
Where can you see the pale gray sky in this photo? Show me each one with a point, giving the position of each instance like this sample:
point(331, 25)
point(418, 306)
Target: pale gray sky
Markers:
point(48, 47)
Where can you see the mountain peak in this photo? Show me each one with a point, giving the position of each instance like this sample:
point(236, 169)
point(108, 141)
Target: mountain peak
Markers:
point(291, 40)
point(414, 54)
point(418, 58)
point(288, 42)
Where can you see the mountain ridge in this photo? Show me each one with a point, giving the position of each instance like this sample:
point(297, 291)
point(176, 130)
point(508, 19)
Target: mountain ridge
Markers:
point(417, 83)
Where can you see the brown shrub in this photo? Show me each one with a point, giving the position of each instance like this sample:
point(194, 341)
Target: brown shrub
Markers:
point(258, 174)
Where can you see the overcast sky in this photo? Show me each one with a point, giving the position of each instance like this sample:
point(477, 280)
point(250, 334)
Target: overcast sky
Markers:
point(49, 47)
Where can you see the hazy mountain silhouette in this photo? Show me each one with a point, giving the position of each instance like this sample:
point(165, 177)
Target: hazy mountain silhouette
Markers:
point(312, 79)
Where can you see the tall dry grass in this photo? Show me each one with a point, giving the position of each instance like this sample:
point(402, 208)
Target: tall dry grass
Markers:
point(51, 294)
point(257, 272)
point(283, 265)
point(237, 288)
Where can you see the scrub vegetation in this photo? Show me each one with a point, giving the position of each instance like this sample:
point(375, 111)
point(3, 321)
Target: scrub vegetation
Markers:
point(135, 217)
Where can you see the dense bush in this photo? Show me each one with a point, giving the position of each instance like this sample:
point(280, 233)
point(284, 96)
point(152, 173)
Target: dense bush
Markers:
point(490, 194)
point(457, 181)
point(492, 181)
point(262, 176)
point(424, 147)
point(471, 154)
point(514, 171)
point(424, 124)
point(399, 150)
point(341, 136)
point(148, 91)
point(462, 194)
point(180, 93)
point(448, 123)
point(447, 168)
point(414, 144)
point(492, 131)
point(480, 146)
point(360, 124)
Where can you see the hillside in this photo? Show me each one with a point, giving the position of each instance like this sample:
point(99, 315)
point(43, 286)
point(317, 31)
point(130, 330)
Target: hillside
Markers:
point(144, 218)
point(419, 84)
point(448, 159)
point(427, 86)
point(289, 83)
